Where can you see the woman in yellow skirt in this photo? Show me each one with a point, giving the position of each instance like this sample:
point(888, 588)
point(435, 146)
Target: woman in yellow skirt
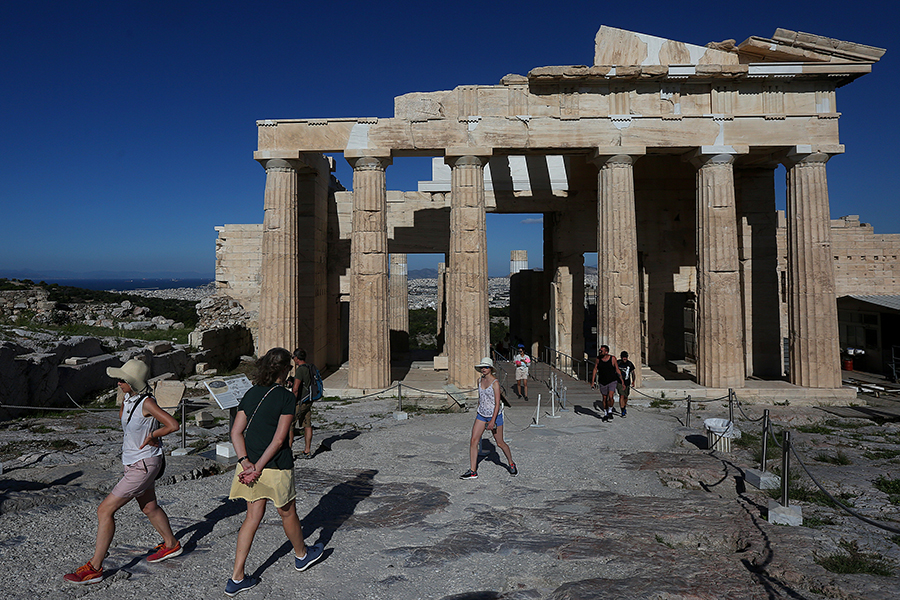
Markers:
point(266, 465)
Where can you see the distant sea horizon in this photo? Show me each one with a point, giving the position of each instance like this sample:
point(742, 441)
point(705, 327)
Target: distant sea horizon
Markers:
point(127, 285)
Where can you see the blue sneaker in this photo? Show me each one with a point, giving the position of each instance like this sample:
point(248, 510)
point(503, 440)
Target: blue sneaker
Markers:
point(313, 555)
point(233, 589)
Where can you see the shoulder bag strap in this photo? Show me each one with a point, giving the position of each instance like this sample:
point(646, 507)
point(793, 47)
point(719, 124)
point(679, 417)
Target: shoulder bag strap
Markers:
point(258, 405)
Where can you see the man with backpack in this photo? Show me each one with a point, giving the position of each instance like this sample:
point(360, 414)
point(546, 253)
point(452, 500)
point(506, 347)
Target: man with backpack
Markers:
point(306, 388)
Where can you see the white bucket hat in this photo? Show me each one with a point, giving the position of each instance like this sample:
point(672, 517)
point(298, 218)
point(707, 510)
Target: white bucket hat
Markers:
point(134, 373)
point(485, 362)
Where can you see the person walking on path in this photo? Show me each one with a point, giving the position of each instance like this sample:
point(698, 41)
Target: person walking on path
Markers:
point(265, 468)
point(489, 416)
point(627, 370)
point(302, 388)
point(605, 377)
point(144, 460)
point(522, 361)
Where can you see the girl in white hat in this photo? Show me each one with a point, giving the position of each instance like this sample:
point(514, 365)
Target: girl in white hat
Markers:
point(144, 423)
point(490, 416)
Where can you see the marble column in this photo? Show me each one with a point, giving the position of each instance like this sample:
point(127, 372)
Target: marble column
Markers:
point(812, 306)
point(719, 327)
point(279, 315)
point(565, 264)
point(369, 352)
point(399, 293)
point(440, 307)
point(468, 332)
point(618, 295)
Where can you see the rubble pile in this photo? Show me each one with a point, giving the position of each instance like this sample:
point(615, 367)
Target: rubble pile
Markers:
point(34, 305)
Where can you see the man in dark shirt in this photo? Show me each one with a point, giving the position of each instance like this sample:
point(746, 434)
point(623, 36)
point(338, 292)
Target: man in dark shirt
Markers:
point(626, 368)
point(301, 389)
point(605, 377)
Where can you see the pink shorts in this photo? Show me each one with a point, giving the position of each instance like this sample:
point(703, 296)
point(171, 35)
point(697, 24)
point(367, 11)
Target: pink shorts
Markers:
point(138, 478)
point(607, 388)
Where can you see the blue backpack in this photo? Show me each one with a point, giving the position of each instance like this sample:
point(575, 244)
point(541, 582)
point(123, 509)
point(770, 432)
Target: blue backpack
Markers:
point(316, 387)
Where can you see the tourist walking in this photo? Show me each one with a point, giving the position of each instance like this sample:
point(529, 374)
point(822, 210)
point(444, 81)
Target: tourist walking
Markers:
point(302, 388)
point(265, 468)
point(605, 377)
point(489, 416)
point(144, 461)
point(522, 362)
point(627, 370)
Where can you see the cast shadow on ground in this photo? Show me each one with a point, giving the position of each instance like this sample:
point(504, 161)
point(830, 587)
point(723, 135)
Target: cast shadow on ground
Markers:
point(203, 527)
point(325, 445)
point(700, 441)
point(581, 410)
point(490, 454)
point(332, 511)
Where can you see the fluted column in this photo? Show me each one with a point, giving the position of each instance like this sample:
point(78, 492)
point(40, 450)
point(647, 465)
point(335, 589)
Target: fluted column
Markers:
point(719, 327)
point(618, 296)
point(440, 307)
point(279, 323)
point(399, 292)
point(467, 278)
point(812, 306)
point(369, 351)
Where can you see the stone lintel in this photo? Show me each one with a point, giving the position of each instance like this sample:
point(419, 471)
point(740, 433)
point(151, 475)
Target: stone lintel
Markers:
point(603, 152)
point(367, 153)
point(457, 151)
point(801, 150)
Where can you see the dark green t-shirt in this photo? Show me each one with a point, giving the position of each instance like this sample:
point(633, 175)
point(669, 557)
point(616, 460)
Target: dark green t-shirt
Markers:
point(264, 423)
point(302, 373)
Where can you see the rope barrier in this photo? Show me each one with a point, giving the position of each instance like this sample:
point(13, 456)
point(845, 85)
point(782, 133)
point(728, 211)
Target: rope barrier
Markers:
point(839, 503)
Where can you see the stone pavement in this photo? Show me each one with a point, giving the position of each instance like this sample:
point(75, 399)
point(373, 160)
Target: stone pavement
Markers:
point(626, 509)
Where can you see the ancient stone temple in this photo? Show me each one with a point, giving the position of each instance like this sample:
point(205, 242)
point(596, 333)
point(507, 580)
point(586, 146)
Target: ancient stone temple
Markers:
point(661, 157)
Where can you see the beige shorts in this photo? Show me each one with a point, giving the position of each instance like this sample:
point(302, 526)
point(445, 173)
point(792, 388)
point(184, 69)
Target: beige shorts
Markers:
point(276, 485)
point(303, 417)
point(138, 478)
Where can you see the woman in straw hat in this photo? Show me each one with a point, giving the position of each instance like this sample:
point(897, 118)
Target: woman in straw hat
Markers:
point(142, 455)
point(266, 465)
point(490, 416)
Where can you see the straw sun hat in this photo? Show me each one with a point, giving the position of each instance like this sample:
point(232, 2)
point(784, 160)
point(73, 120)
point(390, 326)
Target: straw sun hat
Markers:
point(485, 362)
point(134, 373)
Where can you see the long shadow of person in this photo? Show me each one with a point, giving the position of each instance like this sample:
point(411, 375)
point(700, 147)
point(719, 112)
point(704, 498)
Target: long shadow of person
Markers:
point(332, 511)
point(581, 410)
point(489, 453)
point(202, 528)
point(325, 444)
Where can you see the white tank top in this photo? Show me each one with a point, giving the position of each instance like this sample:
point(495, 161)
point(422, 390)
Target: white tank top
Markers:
point(136, 430)
point(486, 401)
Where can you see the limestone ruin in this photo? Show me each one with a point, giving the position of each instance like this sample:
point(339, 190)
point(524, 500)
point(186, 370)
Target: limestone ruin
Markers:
point(660, 156)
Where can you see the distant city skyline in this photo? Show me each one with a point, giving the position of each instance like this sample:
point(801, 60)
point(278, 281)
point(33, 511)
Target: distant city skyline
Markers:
point(129, 128)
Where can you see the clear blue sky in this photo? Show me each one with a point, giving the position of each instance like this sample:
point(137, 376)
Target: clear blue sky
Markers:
point(128, 128)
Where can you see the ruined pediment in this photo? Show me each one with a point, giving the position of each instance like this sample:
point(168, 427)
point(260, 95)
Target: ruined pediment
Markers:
point(620, 47)
point(795, 46)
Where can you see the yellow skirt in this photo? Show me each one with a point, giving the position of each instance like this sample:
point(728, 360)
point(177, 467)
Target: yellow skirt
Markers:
point(276, 485)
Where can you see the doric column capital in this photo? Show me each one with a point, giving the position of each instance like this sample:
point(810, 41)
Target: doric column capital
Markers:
point(805, 155)
point(283, 165)
point(467, 160)
point(616, 155)
point(369, 163)
point(701, 159)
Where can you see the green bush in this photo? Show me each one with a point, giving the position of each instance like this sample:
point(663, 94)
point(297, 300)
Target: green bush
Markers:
point(853, 560)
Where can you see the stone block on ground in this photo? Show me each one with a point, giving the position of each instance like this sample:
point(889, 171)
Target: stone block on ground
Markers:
point(762, 480)
point(785, 515)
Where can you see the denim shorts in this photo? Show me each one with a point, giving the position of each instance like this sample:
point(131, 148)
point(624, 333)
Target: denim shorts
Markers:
point(498, 422)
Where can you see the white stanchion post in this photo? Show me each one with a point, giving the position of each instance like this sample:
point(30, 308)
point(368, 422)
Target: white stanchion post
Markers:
point(553, 414)
point(537, 414)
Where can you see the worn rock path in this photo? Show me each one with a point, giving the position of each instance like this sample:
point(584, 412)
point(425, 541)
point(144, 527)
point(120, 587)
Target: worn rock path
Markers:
point(625, 509)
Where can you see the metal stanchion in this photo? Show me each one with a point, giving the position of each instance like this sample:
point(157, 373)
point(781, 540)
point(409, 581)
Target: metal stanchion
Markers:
point(765, 440)
point(731, 405)
point(785, 466)
point(183, 425)
point(537, 414)
point(554, 381)
point(399, 396)
point(687, 421)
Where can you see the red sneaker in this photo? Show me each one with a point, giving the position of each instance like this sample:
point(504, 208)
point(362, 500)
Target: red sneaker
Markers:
point(162, 553)
point(85, 574)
